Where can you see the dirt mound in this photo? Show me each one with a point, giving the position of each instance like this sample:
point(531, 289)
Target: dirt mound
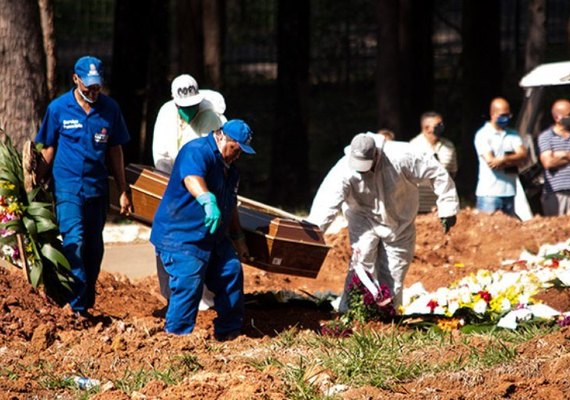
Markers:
point(125, 335)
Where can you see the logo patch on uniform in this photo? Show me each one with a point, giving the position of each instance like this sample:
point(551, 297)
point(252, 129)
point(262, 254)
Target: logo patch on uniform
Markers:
point(71, 124)
point(102, 137)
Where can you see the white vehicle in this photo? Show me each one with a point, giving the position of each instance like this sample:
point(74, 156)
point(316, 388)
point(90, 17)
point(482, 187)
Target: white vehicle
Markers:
point(542, 86)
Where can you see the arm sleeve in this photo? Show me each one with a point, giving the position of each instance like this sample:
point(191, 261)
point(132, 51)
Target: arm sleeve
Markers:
point(194, 161)
point(207, 121)
point(427, 168)
point(452, 167)
point(48, 133)
point(329, 198)
point(161, 138)
point(481, 145)
point(543, 143)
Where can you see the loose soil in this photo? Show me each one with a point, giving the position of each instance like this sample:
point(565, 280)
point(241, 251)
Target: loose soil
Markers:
point(126, 334)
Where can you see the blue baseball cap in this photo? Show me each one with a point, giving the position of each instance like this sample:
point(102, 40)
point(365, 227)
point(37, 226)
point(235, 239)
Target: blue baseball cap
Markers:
point(239, 131)
point(90, 70)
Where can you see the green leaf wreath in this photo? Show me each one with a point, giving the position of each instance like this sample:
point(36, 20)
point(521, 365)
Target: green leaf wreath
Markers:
point(28, 224)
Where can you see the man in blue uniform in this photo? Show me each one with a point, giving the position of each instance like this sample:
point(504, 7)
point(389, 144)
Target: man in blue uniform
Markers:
point(194, 227)
point(82, 132)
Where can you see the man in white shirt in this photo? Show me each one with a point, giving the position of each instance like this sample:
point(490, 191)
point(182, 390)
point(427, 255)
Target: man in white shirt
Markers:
point(500, 150)
point(431, 141)
point(191, 114)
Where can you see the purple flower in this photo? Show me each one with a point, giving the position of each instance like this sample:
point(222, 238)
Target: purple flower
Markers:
point(368, 299)
point(564, 321)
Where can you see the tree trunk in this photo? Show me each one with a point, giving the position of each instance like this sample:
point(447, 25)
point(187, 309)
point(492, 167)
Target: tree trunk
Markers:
point(136, 27)
point(190, 38)
point(158, 82)
point(481, 65)
point(388, 75)
point(212, 42)
point(48, 31)
point(536, 40)
point(416, 48)
point(23, 87)
point(290, 175)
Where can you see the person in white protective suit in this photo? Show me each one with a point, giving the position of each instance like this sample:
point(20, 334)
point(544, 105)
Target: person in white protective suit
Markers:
point(377, 179)
point(192, 113)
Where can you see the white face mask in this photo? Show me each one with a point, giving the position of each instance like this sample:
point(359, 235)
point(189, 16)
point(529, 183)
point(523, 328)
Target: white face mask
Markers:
point(87, 99)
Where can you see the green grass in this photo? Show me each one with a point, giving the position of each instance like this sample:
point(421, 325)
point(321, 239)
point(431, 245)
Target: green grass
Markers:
point(382, 358)
point(389, 357)
point(181, 366)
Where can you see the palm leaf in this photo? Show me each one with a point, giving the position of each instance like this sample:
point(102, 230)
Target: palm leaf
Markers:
point(55, 256)
point(37, 224)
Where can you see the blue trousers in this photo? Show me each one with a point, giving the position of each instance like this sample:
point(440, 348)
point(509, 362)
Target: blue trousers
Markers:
point(81, 221)
point(223, 275)
point(491, 204)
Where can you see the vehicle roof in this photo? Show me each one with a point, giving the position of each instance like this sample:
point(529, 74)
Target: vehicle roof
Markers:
point(551, 74)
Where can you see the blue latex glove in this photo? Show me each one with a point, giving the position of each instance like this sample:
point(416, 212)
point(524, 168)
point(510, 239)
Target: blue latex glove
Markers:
point(213, 217)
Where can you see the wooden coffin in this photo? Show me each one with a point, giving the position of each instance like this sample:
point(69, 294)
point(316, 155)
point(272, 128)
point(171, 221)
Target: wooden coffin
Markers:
point(278, 241)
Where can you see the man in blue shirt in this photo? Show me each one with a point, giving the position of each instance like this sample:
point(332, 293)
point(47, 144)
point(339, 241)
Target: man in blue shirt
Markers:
point(500, 151)
point(82, 132)
point(194, 226)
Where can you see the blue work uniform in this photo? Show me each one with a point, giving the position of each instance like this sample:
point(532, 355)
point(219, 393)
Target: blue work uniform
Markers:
point(80, 179)
point(191, 255)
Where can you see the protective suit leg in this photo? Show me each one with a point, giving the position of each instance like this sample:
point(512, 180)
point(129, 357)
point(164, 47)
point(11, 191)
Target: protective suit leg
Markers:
point(392, 264)
point(364, 242)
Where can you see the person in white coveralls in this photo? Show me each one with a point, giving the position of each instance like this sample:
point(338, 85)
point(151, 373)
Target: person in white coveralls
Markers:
point(377, 179)
point(191, 114)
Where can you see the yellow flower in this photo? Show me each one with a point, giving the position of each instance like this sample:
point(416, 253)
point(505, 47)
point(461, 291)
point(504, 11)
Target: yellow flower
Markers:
point(448, 325)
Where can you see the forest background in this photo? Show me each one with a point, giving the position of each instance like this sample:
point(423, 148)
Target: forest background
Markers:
point(307, 75)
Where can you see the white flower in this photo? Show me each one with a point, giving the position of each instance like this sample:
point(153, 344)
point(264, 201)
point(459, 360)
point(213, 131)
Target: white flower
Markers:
point(480, 307)
point(8, 251)
point(452, 307)
point(505, 305)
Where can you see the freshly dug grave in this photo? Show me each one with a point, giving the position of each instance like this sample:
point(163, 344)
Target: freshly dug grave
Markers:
point(126, 334)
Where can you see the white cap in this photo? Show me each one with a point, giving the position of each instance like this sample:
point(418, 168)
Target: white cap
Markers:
point(185, 91)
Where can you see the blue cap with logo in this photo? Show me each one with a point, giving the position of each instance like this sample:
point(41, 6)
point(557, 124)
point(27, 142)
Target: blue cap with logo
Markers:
point(90, 70)
point(239, 131)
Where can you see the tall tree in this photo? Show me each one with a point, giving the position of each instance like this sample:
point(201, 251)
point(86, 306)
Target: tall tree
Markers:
point(289, 154)
point(481, 67)
point(212, 13)
point(416, 47)
point(388, 70)
point(48, 31)
point(134, 58)
point(536, 39)
point(23, 87)
point(189, 35)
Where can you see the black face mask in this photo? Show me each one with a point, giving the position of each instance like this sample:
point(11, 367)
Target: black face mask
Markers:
point(439, 129)
point(565, 122)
